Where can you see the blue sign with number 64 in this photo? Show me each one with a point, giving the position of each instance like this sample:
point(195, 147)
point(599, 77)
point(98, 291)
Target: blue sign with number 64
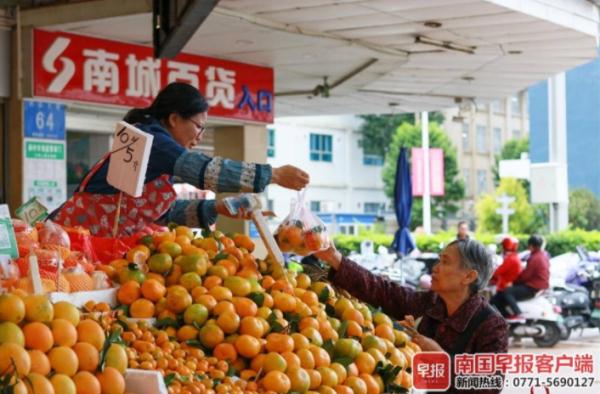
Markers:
point(44, 120)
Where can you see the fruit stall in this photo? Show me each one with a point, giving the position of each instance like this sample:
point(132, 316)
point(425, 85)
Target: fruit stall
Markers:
point(179, 311)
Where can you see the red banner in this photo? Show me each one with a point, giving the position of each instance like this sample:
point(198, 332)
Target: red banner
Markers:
point(82, 68)
point(436, 171)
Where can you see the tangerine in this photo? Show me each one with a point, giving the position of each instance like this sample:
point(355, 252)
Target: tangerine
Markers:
point(88, 356)
point(38, 337)
point(63, 332)
point(276, 381)
point(225, 351)
point(37, 383)
point(10, 332)
point(247, 346)
point(39, 362)
point(152, 289)
point(86, 383)
point(12, 308)
point(63, 360)
point(89, 331)
point(66, 310)
point(141, 309)
point(38, 309)
point(63, 384)
point(111, 381)
point(129, 292)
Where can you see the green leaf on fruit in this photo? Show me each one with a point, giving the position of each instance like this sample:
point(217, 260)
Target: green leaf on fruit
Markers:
point(324, 296)
point(258, 298)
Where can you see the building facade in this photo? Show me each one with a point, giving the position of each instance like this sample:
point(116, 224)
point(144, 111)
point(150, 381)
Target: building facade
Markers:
point(583, 125)
point(478, 134)
point(344, 181)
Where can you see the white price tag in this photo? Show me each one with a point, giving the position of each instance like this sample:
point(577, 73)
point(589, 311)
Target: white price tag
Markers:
point(129, 159)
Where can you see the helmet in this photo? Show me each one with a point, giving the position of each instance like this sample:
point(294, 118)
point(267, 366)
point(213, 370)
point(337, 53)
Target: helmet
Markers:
point(510, 244)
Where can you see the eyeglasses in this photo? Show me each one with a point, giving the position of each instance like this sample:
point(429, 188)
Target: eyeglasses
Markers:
point(201, 128)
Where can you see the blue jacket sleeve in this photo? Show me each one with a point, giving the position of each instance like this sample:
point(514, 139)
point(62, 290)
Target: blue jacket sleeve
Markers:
point(191, 213)
point(222, 175)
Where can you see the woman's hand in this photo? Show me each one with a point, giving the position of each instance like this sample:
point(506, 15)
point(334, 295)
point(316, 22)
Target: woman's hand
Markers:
point(290, 177)
point(241, 213)
point(427, 344)
point(331, 256)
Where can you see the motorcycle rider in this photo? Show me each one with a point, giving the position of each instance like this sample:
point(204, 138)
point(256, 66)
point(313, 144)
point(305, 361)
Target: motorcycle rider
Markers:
point(510, 268)
point(535, 277)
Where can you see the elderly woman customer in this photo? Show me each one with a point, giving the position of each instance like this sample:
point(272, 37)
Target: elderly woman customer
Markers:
point(455, 318)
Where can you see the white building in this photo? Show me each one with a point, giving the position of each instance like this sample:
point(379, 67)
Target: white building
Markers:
point(343, 181)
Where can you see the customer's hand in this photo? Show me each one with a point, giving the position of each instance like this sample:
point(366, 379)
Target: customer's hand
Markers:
point(427, 344)
point(290, 177)
point(331, 256)
point(241, 213)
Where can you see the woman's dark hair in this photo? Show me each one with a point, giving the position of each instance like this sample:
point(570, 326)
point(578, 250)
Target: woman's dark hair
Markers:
point(536, 241)
point(177, 97)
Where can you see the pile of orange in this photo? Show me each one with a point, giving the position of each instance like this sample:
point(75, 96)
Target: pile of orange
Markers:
point(51, 349)
point(293, 236)
point(221, 313)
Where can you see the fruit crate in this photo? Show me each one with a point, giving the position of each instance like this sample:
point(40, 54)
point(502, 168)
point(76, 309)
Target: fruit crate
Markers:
point(81, 297)
point(139, 381)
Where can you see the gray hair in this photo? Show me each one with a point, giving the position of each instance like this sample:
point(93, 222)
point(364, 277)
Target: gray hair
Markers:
point(473, 255)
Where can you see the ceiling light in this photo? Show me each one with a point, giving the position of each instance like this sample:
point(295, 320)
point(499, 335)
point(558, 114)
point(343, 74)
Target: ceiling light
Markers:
point(393, 104)
point(514, 52)
point(467, 78)
point(445, 44)
point(433, 24)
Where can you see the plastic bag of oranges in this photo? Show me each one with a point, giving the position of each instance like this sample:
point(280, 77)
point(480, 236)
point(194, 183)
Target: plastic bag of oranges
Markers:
point(302, 232)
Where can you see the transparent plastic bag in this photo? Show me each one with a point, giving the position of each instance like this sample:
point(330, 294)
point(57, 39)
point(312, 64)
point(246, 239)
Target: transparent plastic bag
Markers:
point(302, 232)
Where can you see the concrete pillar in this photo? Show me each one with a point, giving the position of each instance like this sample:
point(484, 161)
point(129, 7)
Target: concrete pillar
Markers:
point(557, 149)
point(245, 143)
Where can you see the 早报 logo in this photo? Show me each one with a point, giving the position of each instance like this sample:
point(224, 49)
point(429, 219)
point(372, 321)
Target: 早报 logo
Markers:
point(67, 70)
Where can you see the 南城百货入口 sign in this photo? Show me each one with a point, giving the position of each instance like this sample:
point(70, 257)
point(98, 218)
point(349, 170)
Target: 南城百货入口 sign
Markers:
point(82, 68)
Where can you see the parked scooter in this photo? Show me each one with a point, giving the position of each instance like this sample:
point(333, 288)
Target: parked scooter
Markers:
point(541, 321)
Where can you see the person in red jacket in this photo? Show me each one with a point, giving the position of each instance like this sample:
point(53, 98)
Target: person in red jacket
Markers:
point(535, 277)
point(509, 270)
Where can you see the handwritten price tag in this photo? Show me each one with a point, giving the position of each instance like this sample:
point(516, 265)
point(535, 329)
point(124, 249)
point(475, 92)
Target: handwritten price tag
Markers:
point(129, 159)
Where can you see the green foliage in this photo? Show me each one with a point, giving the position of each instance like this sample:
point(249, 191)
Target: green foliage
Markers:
point(377, 131)
point(558, 243)
point(584, 209)
point(511, 150)
point(409, 136)
point(522, 221)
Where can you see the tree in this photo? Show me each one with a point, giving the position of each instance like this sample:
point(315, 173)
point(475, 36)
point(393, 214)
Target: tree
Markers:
point(584, 209)
point(408, 135)
point(378, 130)
point(511, 150)
point(522, 221)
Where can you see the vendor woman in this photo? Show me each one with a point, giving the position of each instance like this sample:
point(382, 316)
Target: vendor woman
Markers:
point(177, 120)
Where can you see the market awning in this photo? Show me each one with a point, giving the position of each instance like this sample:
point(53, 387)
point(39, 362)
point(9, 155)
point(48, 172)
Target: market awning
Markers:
point(420, 55)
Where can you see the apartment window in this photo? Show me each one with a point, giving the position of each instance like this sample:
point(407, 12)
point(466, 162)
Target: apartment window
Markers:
point(466, 140)
point(467, 179)
point(271, 143)
point(315, 206)
point(497, 140)
point(321, 147)
point(372, 160)
point(481, 181)
point(517, 134)
point(515, 105)
point(481, 139)
point(373, 207)
point(497, 106)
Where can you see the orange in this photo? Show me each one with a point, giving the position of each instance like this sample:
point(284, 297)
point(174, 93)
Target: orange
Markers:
point(219, 270)
point(313, 335)
point(138, 254)
point(385, 331)
point(116, 357)
point(291, 359)
point(111, 381)
point(258, 362)
point(158, 277)
point(37, 383)
point(223, 306)
point(307, 360)
point(109, 270)
point(141, 309)
point(63, 360)
point(195, 314)
point(12, 308)
point(190, 280)
point(365, 363)
point(178, 299)
point(343, 389)
point(206, 299)
point(38, 336)
point(221, 293)
point(354, 329)
point(87, 355)
point(66, 310)
point(300, 341)
point(315, 379)
point(153, 290)
point(244, 306)
point(211, 335)
point(353, 315)
point(161, 263)
point(11, 352)
point(208, 244)
point(186, 333)
point(195, 263)
point(160, 237)
point(184, 231)
point(276, 381)
point(267, 282)
point(322, 358)
point(183, 241)
point(10, 332)
point(310, 298)
point(240, 287)
point(247, 346)
point(328, 376)
point(243, 241)
point(225, 351)
point(352, 370)
point(86, 383)
point(63, 384)
point(63, 332)
point(174, 275)
point(129, 292)
point(284, 302)
point(252, 326)
point(306, 322)
point(89, 331)
point(229, 322)
point(340, 371)
point(212, 281)
point(371, 383)
point(274, 362)
point(38, 308)
point(39, 362)
point(357, 385)
point(279, 343)
point(299, 379)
